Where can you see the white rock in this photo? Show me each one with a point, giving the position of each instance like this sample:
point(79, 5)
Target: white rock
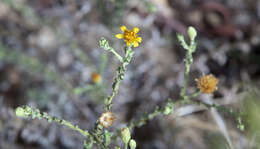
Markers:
point(46, 39)
point(65, 58)
point(4, 9)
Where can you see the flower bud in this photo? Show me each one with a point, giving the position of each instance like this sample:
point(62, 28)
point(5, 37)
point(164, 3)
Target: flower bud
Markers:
point(192, 33)
point(125, 134)
point(103, 43)
point(20, 112)
point(96, 78)
point(168, 108)
point(132, 144)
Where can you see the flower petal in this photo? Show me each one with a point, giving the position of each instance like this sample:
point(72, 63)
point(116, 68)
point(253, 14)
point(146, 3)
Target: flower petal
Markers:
point(136, 29)
point(136, 44)
point(123, 28)
point(128, 44)
point(119, 36)
point(139, 39)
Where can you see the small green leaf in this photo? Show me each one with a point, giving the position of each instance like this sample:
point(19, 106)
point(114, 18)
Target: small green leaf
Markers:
point(20, 112)
point(132, 144)
point(103, 43)
point(108, 136)
point(182, 41)
point(168, 108)
point(126, 135)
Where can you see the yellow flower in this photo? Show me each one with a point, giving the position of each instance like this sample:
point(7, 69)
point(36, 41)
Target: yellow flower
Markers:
point(96, 78)
point(130, 36)
point(106, 119)
point(207, 84)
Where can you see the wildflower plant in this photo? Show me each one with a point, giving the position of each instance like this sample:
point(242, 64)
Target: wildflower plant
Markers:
point(100, 135)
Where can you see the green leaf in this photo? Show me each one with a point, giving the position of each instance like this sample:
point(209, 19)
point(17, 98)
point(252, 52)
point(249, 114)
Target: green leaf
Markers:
point(132, 144)
point(126, 135)
point(108, 136)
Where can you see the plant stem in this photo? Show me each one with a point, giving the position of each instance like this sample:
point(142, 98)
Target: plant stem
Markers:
point(27, 111)
point(195, 94)
point(125, 147)
point(117, 55)
point(188, 61)
point(120, 75)
point(167, 109)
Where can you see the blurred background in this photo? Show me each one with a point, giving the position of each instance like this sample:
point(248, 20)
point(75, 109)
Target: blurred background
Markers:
point(49, 49)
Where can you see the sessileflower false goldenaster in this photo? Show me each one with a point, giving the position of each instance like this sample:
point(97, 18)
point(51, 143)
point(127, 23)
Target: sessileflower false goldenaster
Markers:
point(207, 84)
point(106, 119)
point(130, 36)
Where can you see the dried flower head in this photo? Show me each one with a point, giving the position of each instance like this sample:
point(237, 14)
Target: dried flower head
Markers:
point(130, 36)
point(96, 78)
point(207, 83)
point(106, 119)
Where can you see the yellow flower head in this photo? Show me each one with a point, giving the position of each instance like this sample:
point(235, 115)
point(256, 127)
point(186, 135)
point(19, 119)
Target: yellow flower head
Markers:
point(130, 36)
point(207, 84)
point(96, 78)
point(106, 119)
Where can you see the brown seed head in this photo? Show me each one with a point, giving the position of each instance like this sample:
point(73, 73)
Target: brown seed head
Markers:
point(207, 84)
point(106, 119)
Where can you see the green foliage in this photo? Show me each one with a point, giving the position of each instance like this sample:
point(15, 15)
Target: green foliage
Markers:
point(192, 33)
point(126, 138)
point(240, 124)
point(132, 144)
point(125, 134)
point(166, 110)
point(99, 135)
point(108, 136)
point(20, 112)
point(251, 110)
point(190, 49)
point(88, 145)
point(120, 70)
point(26, 111)
point(169, 107)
